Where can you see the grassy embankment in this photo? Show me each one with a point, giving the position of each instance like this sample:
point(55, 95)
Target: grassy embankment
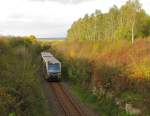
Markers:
point(20, 89)
point(108, 75)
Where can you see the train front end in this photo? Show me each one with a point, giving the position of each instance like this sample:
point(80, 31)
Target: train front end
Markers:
point(51, 67)
point(54, 71)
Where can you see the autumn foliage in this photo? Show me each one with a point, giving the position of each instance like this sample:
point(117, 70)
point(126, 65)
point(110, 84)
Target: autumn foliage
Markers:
point(20, 89)
point(111, 67)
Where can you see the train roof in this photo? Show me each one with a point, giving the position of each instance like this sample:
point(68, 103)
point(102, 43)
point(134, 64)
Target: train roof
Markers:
point(46, 54)
point(48, 57)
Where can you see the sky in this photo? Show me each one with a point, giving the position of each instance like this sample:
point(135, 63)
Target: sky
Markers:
point(49, 18)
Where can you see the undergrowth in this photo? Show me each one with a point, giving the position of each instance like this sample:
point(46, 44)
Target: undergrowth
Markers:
point(20, 88)
point(110, 70)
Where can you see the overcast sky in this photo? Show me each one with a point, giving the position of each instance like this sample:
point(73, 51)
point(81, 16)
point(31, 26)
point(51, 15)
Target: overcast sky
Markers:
point(49, 18)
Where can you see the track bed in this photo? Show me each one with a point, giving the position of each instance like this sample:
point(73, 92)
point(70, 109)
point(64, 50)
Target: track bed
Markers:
point(68, 105)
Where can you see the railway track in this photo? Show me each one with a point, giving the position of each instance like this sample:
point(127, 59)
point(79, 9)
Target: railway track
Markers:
point(68, 105)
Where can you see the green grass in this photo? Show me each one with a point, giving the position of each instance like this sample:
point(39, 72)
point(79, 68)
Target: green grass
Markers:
point(104, 106)
point(130, 96)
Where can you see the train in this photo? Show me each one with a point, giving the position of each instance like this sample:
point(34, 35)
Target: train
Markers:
point(51, 67)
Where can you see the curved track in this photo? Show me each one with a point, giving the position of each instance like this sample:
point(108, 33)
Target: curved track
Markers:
point(66, 102)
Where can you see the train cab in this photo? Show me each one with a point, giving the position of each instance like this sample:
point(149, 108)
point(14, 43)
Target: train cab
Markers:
point(51, 67)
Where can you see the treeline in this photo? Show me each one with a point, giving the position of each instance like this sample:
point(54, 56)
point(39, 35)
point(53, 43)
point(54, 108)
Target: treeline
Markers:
point(128, 22)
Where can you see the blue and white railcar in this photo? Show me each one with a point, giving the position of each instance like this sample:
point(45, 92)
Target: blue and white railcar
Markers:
point(51, 67)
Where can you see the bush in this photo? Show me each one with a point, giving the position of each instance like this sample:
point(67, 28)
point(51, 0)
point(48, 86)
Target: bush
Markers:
point(20, 89)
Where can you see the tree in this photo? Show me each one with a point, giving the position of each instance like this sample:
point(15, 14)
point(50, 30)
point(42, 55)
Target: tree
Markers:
point(130, 11)
point(128, 22)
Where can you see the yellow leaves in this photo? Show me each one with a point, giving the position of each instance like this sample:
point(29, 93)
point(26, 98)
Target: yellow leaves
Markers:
point(5, 97)
point(32, 38)
point(72, 53)
point(141, 69)
point(3, 41)
point(134, 58)
point(141, 73)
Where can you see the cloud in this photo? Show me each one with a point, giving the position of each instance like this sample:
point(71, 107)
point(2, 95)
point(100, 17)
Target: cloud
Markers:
point(16, 16)
point(64, 1)
point(39, 28)
point(50, 18)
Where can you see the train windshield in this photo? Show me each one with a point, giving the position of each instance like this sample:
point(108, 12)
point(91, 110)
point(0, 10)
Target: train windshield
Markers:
point(53, 67)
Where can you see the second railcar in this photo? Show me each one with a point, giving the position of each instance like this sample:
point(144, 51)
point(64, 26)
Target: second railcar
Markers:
point(51, 67)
